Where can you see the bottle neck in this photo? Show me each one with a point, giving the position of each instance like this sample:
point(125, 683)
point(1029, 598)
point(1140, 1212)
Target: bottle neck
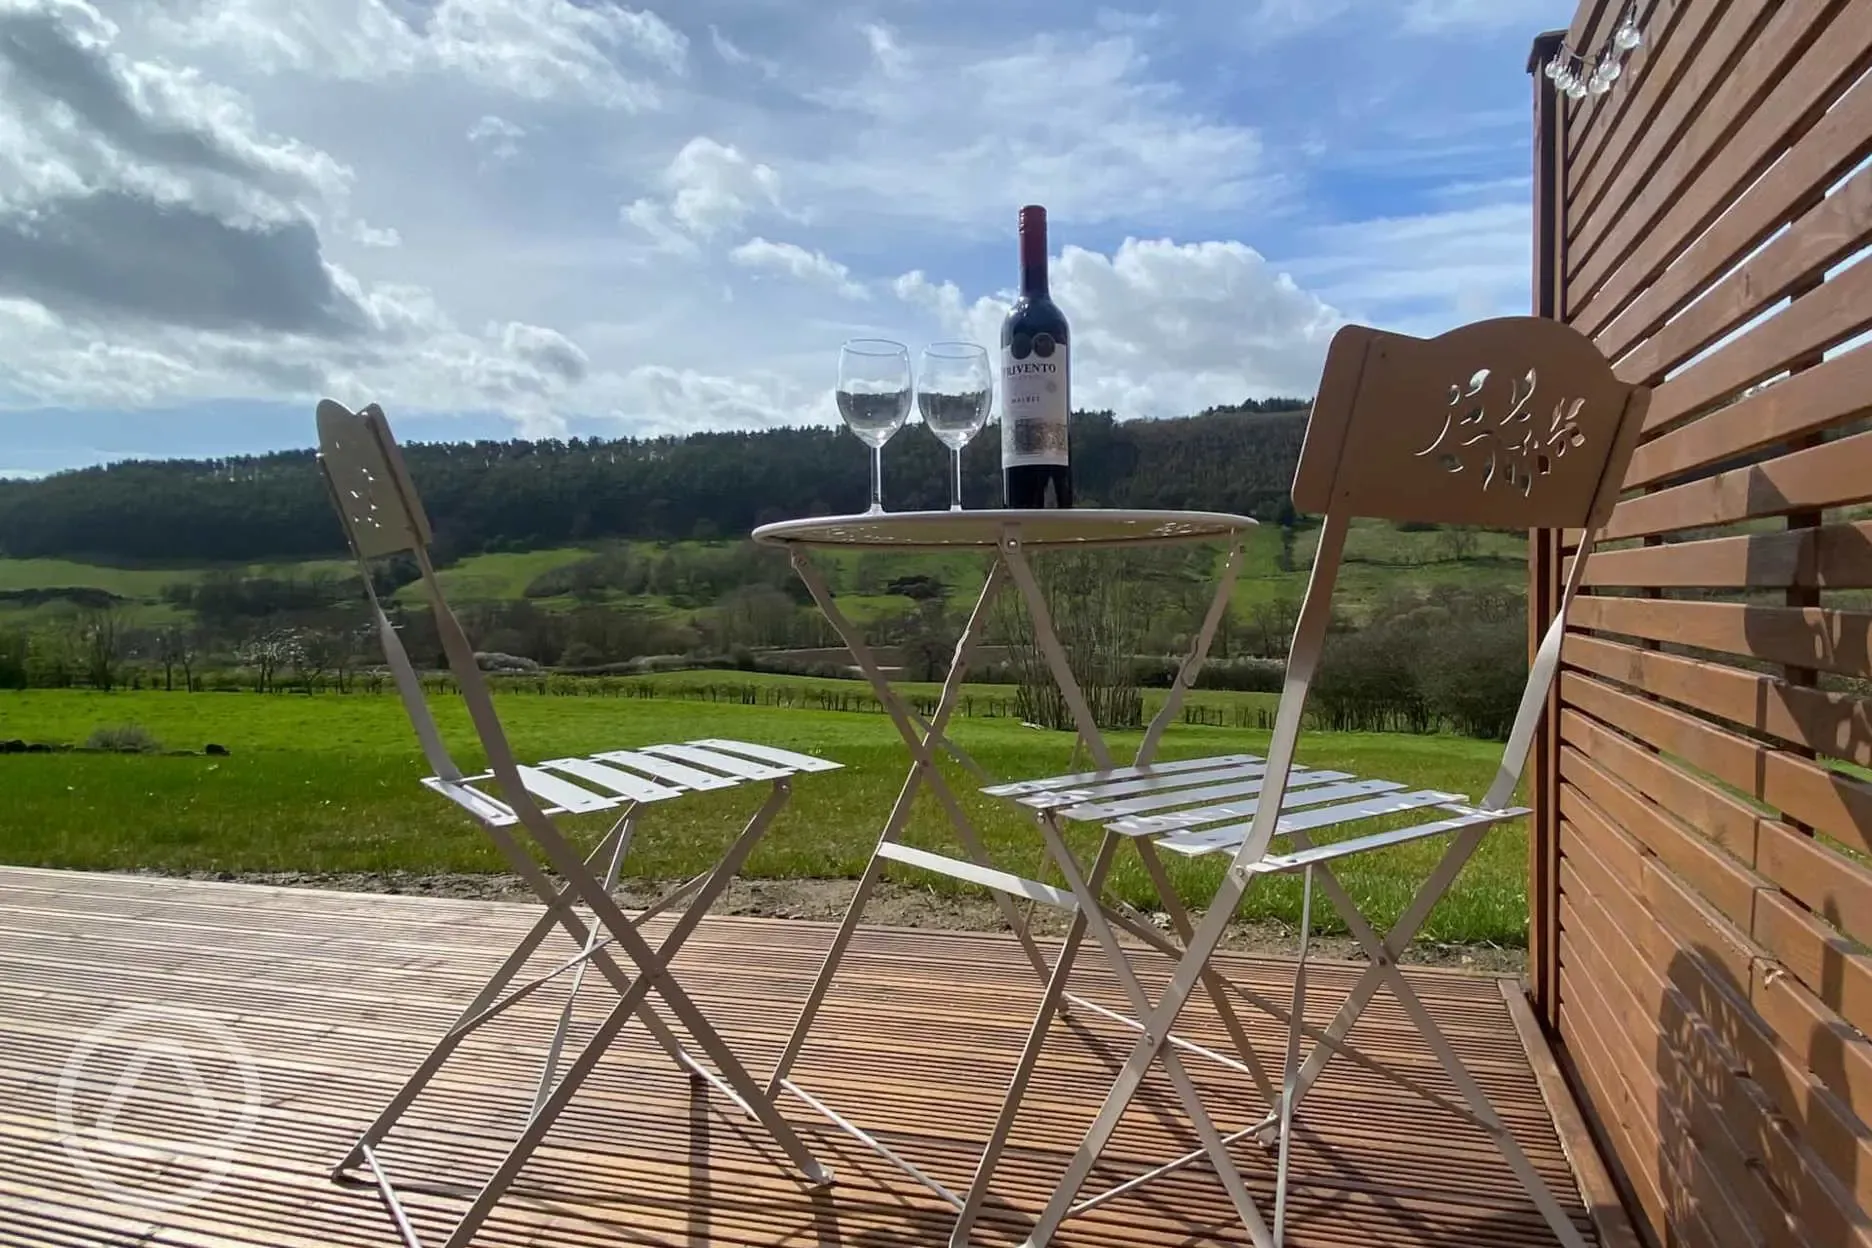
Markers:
point(1033, 252)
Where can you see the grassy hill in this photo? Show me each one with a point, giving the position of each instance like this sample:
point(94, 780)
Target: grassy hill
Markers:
point(1380, 560)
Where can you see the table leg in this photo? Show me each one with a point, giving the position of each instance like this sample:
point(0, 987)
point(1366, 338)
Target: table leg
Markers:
point(923, 769)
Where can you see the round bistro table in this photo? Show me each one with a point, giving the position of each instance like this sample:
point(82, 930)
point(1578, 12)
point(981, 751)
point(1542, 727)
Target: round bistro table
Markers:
point(1007, 537)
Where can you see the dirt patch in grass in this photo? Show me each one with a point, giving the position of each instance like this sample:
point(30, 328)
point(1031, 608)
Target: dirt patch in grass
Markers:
point(892, 905)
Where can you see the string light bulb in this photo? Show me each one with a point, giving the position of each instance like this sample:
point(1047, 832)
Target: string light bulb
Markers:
point(1628, 36)
point(1595, 75)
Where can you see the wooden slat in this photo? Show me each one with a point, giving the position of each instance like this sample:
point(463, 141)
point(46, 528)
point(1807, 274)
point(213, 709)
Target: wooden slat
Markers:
point(1836, 143)
point(1671, 33)
point(1611, 976)
point(1821, 879)
point(1830, 724)
point(1603, 1200)
point(1663, 1146)
point(1831, 641)
point(1681, 95)
point(1832, 231)
point(1817, 956)
point(1727, 883)
point(1620, 1128)
point(338, 996)
point(1833, 474)
point(1814, 399)
point(1827, 557)
point(1795, 65)
point(1740, 1207)
point(1838, 806)
point(1817, 321)
point(1681, 941)
point(1592, 27)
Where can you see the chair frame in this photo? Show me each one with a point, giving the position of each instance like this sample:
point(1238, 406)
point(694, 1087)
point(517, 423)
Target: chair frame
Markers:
point(1367, 369)
point(377, 503)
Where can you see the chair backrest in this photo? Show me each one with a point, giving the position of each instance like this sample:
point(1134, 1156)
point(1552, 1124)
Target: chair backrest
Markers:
point(1517, 422)
point(382, 515)
point(370, 487)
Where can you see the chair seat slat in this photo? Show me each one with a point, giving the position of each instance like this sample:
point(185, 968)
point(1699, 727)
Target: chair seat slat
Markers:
point(1194, 844)
point(1184, 797)
point(727, 764)
point(769, 754)
point(1083, 795)
point(564, 794)
point(1019, 787)
point(1303, 789)
point(1302, 858)
point(616, 779)
point(668, 769)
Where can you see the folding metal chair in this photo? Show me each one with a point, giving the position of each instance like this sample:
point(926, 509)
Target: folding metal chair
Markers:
point(382, 516)
point(1516, 422)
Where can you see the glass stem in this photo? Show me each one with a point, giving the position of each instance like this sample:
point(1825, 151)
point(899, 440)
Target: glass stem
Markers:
point(955, 485)
point(877, 478)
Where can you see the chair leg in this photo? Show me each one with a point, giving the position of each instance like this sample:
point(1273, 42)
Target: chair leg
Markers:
point(1290, 1073)
point(1051, 1002)
point(1156, 1041)
point(1479, 1103)
point(622, 836)
point(1155, 1036)
point(418, 1079)
point(1213, 984)
point(734, 1078)
point(1461, 849)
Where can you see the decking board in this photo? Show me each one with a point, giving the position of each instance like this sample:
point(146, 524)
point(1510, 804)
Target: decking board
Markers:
point(336, 996)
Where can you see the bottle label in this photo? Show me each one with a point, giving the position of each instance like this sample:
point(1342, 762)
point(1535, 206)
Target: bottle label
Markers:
point(1036, 398)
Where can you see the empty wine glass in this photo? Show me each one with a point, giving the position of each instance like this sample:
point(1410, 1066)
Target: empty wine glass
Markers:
point(874, 392)
point(955, 389)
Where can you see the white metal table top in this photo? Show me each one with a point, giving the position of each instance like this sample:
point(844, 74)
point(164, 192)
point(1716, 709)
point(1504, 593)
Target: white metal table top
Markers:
point(1073, 527)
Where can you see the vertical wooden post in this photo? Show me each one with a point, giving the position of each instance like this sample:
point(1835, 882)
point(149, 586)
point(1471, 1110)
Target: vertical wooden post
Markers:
point(1544, 557)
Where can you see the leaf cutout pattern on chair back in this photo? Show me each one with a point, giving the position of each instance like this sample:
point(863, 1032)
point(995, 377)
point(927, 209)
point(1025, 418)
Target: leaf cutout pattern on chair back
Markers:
point(1516, 422)
point(370, 486)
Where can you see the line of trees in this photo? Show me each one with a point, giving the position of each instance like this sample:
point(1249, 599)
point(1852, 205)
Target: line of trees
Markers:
point(522, 495)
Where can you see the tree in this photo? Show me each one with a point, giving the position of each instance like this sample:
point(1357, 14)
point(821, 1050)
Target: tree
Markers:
point(175, 647)
point(101, 645)
point(267, 655)
point(1098, 619)
point(1458, 542)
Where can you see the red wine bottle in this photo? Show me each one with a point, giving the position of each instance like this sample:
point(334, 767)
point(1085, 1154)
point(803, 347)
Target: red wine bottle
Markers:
point(1036, 383)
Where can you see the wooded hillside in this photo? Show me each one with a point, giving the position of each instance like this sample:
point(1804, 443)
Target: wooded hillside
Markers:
point(519, 495)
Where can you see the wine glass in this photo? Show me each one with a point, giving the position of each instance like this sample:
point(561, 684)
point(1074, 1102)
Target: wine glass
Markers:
point(874, 390)
point(954, 394)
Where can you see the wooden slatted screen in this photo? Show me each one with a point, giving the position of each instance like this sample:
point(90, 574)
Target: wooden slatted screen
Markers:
point(1702, 852)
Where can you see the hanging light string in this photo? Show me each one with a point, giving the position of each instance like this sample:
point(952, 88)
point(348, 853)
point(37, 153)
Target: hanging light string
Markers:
point(1579, 76)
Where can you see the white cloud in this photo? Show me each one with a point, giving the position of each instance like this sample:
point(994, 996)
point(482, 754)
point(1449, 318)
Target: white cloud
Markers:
point(267, 201)
point(710, 187)
point(1080, 125)
point(498, 138)
point(1428, 272)
point(806, 266)
point(368, 235)
point(531, 49)
point(1162, 328)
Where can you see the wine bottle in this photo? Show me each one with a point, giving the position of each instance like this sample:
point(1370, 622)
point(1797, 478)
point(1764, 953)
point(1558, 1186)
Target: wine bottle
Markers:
point(1036, 377)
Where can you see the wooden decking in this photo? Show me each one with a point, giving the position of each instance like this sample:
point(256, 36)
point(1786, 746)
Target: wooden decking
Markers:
point(335, 997)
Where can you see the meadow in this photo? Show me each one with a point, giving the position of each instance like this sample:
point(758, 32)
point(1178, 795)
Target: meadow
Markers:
point(327, 783)
point(1380, 559)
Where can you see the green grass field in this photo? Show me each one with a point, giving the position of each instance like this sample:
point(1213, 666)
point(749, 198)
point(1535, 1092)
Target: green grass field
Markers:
point(1380, 559)
point(329, 784)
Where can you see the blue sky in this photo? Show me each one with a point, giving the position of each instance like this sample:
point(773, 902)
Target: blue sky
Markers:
point(575, 217)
